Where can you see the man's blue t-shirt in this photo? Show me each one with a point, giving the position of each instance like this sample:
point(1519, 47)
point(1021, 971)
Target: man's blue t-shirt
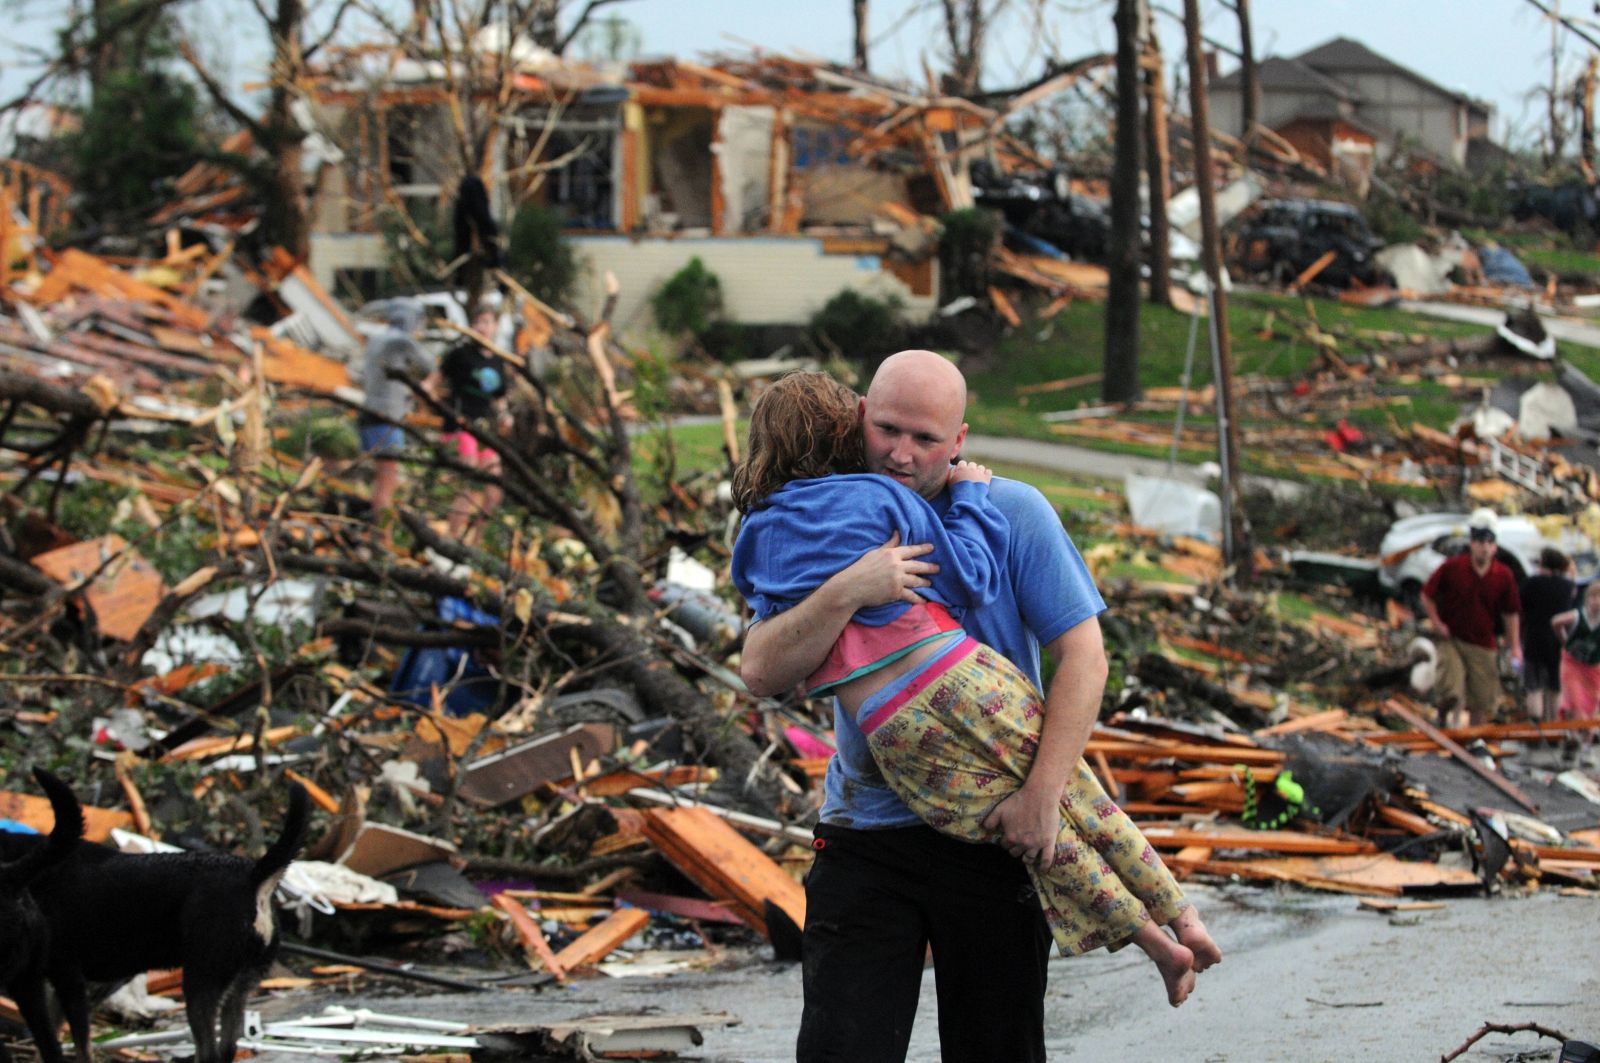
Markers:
point(1047, 593)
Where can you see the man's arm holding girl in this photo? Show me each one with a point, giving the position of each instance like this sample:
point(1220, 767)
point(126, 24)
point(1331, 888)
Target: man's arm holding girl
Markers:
point(1031, 817)
point(782, 650)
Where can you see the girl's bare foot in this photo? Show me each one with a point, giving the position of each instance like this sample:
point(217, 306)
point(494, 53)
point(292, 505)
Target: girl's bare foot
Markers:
point(1172, 959)
point(1192, 934)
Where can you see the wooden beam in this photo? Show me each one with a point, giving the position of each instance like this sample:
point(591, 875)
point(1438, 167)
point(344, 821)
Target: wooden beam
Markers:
point(1451, 746)
point(604, 938)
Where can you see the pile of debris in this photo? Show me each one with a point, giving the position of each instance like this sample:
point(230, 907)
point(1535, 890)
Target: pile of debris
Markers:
point(543, 739)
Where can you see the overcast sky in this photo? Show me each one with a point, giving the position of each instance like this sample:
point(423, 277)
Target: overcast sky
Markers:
point(1496, 50)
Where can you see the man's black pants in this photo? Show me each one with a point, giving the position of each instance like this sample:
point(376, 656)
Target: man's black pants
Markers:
point(875, 900)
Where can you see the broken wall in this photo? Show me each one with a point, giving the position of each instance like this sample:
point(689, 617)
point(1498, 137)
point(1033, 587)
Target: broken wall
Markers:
point(745, 152)
point(679, 153)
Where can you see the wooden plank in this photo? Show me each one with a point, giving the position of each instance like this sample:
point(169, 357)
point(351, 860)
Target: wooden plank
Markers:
point(1309, 274)
point(122, 596)
point(533, 939)
point(35, 812)
point(1321, 721)
point(684, 907)
point(604, 938)
point(1410, 821)
point(1268, 841)
point(1445, 742)
point(1221, 754)
point(720, 861)
point(1374, 905)
point(1003, 307)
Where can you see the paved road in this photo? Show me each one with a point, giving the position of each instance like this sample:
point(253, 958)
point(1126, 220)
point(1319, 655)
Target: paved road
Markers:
point(1307, 978)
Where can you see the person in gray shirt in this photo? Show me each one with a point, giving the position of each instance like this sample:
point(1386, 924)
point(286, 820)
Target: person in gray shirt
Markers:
point(388, 400)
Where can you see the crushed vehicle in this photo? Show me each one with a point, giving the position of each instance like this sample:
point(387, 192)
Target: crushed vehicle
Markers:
point(1414, 546)
point(1285, 237)
point(1043, 205)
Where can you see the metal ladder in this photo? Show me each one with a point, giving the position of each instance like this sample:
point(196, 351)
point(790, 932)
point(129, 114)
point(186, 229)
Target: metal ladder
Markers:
point(1519, 468)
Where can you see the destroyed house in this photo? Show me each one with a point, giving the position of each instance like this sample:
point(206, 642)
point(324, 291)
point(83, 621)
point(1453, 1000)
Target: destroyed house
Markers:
point(1340, 100)
point(788, 181)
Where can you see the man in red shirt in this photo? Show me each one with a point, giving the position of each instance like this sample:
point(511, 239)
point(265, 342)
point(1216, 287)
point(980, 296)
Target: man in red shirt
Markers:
point(1463, 599)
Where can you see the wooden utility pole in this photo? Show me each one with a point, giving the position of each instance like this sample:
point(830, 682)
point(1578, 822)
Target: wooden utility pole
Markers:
point(859, 9)
point(1157, 163)
point(1122, 297)
point(1235, 535)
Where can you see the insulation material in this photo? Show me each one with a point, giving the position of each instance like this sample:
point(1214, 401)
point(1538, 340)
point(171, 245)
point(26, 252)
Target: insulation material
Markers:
point(745, 153)
point(849, 194)
point(681, 148)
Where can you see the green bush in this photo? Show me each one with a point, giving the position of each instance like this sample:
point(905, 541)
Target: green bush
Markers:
point(1391, 222)
point(966, 240)
point(324, 435)
point(690, 302)
point(859, 326)
point(538, 254)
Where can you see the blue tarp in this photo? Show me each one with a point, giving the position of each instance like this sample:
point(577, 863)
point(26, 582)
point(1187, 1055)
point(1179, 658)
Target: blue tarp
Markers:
point(1501, 267)
point(423, 668)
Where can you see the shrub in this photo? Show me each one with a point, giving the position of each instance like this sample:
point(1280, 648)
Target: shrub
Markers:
point(690, 301)
point(325, 435)
point(538, 254)
point(966, 239)
point(860, 326)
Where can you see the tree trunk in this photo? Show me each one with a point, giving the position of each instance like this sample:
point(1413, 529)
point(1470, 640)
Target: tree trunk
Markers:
point(1558, 134)
point(286, 216)
point(1251, 103)
point(966, 30)
point(1586, 87)
point(859, 9)
point(1157, 166)
point(1122, 303)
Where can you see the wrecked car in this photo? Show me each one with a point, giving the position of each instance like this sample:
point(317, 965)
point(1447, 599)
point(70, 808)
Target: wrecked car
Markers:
point(1043, 206)
point(1414, 546)
point(1285, 237)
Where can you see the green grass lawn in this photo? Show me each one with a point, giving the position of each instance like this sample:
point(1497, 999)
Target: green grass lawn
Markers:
point(1547, 251)
point(698, 449)
point(1259, 322)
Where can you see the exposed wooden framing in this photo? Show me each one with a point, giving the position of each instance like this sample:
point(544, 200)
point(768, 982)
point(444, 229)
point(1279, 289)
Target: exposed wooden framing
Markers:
point(629, 143)
point(384, 191)
point(777, 169)
point(719, 204)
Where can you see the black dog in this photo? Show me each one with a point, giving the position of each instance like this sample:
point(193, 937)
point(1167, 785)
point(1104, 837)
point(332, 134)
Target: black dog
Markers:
point(24, 933)
point(115, 915)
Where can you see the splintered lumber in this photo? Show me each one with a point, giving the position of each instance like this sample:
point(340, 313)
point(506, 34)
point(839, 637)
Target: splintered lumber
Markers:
point(1003, 307)
point(125, 589)
point(520, 769)
point(1143, 751)
point(1408, 821)
point(1375, 874)
point(1327, 721)
point(720, 861)
point(1371, 904)
point(1310, 272)
point(532, 938)
point(1380, 871)
point(604, 938)
point(35, 812)
point(1451, 746)
point(1266, 841)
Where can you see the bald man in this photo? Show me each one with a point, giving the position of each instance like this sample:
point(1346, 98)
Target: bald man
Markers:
point(884, 887)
